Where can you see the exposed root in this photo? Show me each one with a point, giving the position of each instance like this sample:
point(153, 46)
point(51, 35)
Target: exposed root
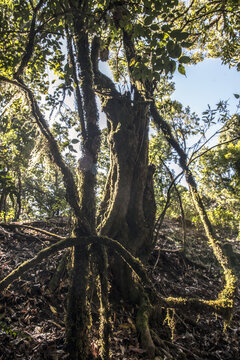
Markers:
point(54, 282)
point(142, 326)
point(148, 295)
point(103, 287)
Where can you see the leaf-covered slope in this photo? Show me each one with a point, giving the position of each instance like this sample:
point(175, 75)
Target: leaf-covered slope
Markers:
point(32, 318)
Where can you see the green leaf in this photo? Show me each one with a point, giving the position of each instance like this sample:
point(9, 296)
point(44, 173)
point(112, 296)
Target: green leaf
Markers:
point(154, 27)
point(179, 35)
point(174, 49)
point(75, 141)
point(159, 51)
point(186, 44)
point(158, 5)
point(148, 20)
point(181, 69)
point(70, 148)
point(170, 66)
point(159, 64)
point(165, 28)
point(184, 59)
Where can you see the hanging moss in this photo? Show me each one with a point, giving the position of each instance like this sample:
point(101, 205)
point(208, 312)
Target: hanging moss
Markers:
point(170, 320)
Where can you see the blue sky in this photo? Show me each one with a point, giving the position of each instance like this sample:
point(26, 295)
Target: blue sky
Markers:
point(207, 83)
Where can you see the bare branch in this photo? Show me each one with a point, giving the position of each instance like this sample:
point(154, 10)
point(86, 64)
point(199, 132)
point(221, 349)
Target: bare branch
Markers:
point(160, 219)
point(213, 147)
point(180, 202)
point(220, 131)
point(12, 225)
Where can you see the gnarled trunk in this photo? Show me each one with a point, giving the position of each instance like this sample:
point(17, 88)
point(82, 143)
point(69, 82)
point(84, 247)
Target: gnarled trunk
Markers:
point(127, 210)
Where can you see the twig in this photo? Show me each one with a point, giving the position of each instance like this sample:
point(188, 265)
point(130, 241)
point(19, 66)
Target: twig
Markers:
point(160, 219)
point(212, 147)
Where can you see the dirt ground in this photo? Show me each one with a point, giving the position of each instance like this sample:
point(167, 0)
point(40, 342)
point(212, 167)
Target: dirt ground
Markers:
point(32, 317)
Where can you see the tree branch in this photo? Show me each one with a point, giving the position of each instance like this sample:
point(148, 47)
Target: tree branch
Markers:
point(160, 219)
point(31, 38)
point(12, 225)
point(71, 188)
point(180, 202)
point(212, 147)
point(228, 293)
point(43, 254)
point(76, 83)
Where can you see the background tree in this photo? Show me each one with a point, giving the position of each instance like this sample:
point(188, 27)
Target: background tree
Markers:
point(16, 142)
point(219, 168)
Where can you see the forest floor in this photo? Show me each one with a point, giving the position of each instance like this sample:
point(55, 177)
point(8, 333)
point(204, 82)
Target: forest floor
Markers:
point(32, 317)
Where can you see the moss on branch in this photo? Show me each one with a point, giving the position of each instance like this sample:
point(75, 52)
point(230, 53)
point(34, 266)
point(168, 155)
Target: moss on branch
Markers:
point(142, 326)
point(135, 264)
point(226, 296)
point(219, 306)
point(42, 254)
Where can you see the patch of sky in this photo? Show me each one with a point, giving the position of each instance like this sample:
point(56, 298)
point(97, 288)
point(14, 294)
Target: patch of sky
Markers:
point(206, 84)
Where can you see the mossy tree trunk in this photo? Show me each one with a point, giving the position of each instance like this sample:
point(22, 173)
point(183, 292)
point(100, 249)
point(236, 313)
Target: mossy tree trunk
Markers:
point(127, 210)
point(78, 313)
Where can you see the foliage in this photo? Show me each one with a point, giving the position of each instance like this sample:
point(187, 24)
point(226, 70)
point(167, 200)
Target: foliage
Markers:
point(219, 176)
point(27, 177)
point(16, 141)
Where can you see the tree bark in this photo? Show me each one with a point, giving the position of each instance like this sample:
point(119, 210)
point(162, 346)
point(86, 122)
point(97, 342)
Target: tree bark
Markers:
point(78, 312)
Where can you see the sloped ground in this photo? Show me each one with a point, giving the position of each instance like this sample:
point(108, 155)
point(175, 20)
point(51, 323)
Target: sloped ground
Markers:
point(32, 318)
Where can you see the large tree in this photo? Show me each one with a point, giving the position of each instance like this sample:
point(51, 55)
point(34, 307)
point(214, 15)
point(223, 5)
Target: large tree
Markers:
point(143, 42)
